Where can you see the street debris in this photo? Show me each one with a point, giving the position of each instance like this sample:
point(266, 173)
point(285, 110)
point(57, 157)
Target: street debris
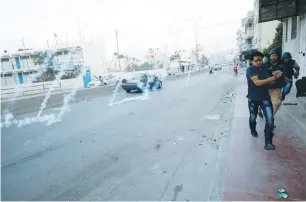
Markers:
point(93, 132)
point(213, 117)
point(282, 193)
point(157, 147)
point(140, 135)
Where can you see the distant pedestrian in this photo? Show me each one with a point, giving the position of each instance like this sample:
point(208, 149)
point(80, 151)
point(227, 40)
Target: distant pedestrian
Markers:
point(258, 95)
point(235, 70)
point(291, 68)
point(210, 70)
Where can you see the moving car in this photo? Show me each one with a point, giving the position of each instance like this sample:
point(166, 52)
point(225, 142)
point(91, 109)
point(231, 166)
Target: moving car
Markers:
point(141, 82)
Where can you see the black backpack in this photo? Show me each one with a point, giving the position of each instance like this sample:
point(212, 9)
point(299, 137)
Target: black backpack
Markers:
point(301, 87)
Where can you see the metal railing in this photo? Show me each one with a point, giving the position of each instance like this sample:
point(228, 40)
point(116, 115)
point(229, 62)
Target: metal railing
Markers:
point(22, 91)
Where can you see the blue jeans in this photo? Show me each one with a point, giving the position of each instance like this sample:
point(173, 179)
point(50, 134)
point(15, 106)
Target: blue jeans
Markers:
point(286, 89)
point(267, 108)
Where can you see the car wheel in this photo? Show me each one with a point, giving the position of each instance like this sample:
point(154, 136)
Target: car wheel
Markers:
point(128, 91)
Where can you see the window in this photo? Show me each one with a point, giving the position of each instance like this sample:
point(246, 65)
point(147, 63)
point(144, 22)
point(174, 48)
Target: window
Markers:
point(286, 30)
point(293, 27)
point(24, 57)
point(5, 59)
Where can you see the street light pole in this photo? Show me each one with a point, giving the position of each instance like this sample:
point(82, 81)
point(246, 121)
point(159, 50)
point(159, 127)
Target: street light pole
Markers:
point(196, 39)
point(118, 49)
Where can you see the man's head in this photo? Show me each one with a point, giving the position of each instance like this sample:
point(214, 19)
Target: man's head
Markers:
point(256, 59)
point(286, 57)
point(274, 55)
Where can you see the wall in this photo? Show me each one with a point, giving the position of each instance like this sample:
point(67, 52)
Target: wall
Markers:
point(264, 34)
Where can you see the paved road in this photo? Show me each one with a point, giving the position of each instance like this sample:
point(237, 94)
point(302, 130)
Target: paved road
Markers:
point(161, 147)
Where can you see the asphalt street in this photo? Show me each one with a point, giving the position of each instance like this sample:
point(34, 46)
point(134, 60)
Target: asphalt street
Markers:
point(165, 145)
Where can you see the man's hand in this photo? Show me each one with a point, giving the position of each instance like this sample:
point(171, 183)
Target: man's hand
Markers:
point(278, 74)
point(296, 75)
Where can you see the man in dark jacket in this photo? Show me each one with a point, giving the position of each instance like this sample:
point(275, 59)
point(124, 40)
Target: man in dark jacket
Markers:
point(275, 90)
point(258, 95)
point(291, 68)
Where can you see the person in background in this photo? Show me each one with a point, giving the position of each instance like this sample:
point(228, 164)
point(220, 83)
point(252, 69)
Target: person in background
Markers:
point(275, 90)
point(291, 68)
point(210, 70)
point(236, 70)
point(258, 80)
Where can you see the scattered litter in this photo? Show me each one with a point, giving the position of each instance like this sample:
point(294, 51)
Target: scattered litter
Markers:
point(203, 135)
point(224, 101)
point(140, 134)
point(180, 138)
point(157, 147)
point(200, 144)
point(282, 193)
point(80, 141)
point(213, 117)
point(93, 141)
point(192, 129)
point(165, 172)
point(93, 132)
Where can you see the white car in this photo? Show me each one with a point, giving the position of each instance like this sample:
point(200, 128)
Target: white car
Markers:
point(107, 80)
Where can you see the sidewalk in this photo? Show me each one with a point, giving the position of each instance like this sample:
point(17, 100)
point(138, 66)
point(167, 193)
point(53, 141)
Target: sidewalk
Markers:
point(256, 174)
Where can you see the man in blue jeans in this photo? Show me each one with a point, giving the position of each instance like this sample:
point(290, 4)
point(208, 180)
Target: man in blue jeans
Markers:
point(258, 95)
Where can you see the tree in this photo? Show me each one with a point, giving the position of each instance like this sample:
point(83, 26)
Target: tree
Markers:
point(204, 60)
point(277, 41)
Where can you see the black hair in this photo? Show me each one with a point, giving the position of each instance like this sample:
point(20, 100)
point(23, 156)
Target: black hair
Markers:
point(256, 54)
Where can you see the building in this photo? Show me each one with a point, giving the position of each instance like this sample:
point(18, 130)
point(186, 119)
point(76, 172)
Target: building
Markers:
point(294, 25)
point(20, 67)
point(263, 32)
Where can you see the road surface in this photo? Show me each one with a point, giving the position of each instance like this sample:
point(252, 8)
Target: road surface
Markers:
point(167, 145)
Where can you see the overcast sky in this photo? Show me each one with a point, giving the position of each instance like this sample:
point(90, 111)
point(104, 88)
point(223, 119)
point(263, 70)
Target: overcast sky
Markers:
point(141, 24)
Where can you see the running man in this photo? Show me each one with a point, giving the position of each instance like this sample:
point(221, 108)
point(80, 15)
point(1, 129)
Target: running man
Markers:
point(258, 95)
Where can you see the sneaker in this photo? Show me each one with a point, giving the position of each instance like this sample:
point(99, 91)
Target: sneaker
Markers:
point(254, 133)
point(269, 146)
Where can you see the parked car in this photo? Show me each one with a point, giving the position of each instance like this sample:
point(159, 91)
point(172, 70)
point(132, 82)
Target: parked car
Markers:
point(217, 67)
point(141, 82)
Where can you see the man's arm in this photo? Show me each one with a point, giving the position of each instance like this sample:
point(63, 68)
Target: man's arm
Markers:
point(296, 66)
point(258, 82)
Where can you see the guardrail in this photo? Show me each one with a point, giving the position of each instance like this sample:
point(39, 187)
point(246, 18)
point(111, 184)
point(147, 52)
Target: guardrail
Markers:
point(23, 91)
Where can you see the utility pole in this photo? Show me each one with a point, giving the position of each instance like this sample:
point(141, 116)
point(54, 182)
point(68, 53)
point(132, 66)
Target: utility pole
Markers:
point(196, 40)
point(48, 44)
point(118, 49)
point(24, 50)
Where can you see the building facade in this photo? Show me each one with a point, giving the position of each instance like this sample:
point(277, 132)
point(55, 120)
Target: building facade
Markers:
point(294, 39)
point(263, 32)
point(20, 67)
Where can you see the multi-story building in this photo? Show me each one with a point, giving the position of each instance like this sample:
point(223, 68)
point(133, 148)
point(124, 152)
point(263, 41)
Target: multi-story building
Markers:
point(20, 67)
point(263, 32)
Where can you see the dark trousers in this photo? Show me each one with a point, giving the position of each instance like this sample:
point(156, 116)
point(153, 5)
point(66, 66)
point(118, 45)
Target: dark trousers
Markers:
point(267, 108)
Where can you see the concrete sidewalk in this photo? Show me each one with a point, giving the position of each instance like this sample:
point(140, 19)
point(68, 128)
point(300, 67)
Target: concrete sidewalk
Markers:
point(256, 174)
